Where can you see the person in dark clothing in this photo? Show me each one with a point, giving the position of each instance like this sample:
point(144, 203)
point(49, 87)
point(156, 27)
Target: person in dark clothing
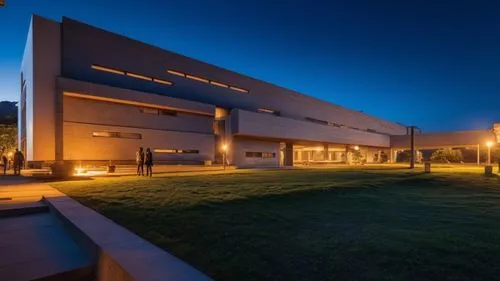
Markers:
point(149, 162)
point(18, 162)
point(5, 163)
point(139, 159)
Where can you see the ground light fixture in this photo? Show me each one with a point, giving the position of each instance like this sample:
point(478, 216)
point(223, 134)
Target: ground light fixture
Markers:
point(489, 144)
point(224, 152)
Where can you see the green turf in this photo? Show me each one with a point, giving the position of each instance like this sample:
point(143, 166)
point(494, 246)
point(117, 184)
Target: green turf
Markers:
point(315, 224)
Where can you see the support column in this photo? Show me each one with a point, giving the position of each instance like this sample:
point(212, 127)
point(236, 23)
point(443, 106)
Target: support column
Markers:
point(478, 156)
point(412, 147)
point(288, 154)
point(325, 152)
point(345, 158)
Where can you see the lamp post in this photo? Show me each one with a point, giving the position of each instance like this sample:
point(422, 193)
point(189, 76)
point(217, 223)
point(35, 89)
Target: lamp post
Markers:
point(224, 151)
point(489, 144)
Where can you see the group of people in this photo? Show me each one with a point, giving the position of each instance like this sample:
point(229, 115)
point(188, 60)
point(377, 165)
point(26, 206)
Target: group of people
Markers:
point(142, 159)
point(17, 163)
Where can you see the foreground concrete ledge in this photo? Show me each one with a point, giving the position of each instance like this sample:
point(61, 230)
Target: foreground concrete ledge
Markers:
point(119, 253)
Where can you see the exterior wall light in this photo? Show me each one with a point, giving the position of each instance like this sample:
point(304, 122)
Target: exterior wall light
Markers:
point(489, 144)
point(224, 155)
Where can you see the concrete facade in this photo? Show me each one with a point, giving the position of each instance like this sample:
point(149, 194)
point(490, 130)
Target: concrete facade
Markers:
point(92, 95)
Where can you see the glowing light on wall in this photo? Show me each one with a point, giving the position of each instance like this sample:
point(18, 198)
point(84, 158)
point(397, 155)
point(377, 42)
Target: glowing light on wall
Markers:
point(138, 76)
point(197, 78)
point(219, 84)
point(107, 69)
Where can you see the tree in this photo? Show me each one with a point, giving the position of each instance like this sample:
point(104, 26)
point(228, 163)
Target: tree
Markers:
point(8, 113)
point(357, 157)
point(403, 156)
point(383, 157)
point(8, 138)
point(447, 155)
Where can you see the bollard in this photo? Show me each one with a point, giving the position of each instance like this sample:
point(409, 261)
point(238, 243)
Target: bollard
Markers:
point(488, 170)
point(427, 166)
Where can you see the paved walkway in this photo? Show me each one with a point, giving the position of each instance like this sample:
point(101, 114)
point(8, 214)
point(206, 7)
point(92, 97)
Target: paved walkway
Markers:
point(15, 190)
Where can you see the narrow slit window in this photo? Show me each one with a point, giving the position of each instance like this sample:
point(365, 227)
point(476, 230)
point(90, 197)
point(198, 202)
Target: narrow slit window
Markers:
point(179, 151)
point(149, 110)
point(197, 78)
point(265, 110)
point(318, 121)
point(238, 89)
point(251, 154)
point(168, 112)
point(173, 72)
point(219, 84)
point(138, 76)
point(107, 69)
point(122, 135)
point(159, 150)
point(161, 81)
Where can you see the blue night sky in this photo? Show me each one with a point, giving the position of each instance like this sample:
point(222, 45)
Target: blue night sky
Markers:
point(434, 64)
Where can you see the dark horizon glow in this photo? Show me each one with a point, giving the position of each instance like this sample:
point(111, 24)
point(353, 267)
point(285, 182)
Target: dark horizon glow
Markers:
point(433, 64)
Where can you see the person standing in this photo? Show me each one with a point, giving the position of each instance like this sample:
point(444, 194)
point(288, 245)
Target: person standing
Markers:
point(149, 162)
point(139, 159)
point(18, 162)
point(5, 163)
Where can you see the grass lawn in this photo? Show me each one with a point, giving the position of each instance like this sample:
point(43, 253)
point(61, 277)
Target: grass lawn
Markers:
point(313, 224)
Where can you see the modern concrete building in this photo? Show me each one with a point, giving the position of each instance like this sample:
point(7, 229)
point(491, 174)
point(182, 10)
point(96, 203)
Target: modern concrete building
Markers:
point(91, 95)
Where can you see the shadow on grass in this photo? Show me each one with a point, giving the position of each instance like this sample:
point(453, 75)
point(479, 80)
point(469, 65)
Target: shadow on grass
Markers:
point(412, 228)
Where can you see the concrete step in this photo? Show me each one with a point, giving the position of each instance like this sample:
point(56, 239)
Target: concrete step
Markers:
point(86, 273)
point(18, 209)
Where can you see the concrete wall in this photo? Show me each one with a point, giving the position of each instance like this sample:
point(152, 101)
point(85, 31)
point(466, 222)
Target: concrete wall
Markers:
point(79, 144)
point(241, 146)
point(246, 123)
point(87, 111)
point(436, 140)
point(85, 45)
point(99, 90)
point(46, 67)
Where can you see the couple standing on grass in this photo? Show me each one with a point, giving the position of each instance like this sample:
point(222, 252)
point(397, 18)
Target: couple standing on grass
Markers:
point(141, 159)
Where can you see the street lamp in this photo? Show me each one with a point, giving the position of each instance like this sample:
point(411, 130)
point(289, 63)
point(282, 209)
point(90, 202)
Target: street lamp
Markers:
point(356, 147)
point(489, 144)
point(224, 151)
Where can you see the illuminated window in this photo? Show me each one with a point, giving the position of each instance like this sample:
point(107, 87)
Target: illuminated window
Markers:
point(168, 112)
point(138, 76)
point(265, 110)
point(156, 111)
point(250, 154)
point(197, 78)
point(190, 151)
point(268, 155)
point(162, 81)
point(176, 73)
point(183, 151)
point(107, 69)
point(221, 112)
point(165, 150)
point(117, 135)
point(219, 84)
point(238, 89)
